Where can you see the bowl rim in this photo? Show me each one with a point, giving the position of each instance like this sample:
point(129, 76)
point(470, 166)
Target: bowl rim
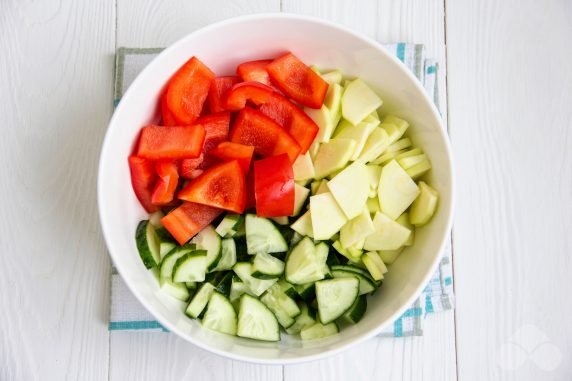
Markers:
point(358, 338)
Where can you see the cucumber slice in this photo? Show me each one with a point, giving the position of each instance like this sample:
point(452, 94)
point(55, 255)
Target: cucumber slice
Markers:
point(404, 220)
point(386, 157)
point(322, 251)
point(366, 283)
point(176, 290)
point(374, 172)
point(401, 124)
point(358, 101)
point(350, 188)
point(168, 263)
point(256, 321)
point(389, 256)
point(265, 266)
point(147, 244)
point(333, 77)
point(155, 219)
point(200, 300)
point(373, 204)
point(228, 255)
point(396, 190)
point(283, 307)
point(306, 291)
point(318, 331)
point(220, 315)
point(357, 310)
point(327, 217)
point(411, 152)
point(357, 229)
point(337, 245)
point(287, 288)
point(399, 145)
point(376, 143)
point(324, 119)
point(300, 195)
point(303, 168)
point(425, 205)
point(419, 170)
point(305, 319)
point(372, 266)
point(359, 133)
point(165, 248)
point(221, 280)
point(262, 236)
point(256, 286)
point(209, 240)
point(322, 188)
point(237, 288)
point(303, 225)
point(333, 103)
point(229, 225)
point(191, 267)
point(410, 161)
point(333, 156)
point(388, 235)
point(304, 264)
point(335, 297)
point(191, 285)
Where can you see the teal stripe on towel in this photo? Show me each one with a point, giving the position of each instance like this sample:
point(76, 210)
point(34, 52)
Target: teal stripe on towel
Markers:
point(135, 325)
point(401, 51)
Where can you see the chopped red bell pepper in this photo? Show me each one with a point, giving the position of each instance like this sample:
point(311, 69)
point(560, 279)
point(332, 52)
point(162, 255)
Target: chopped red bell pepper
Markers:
point(250, 199)
point(173, 142)
point(298, 81)
point(252, 128)
point(218, 89)
point(240, 93)
point(187, 91)
point(274, 186)
point(216, 131)
point(166, 185)
point(254, 71)
point(166, 114)
point(221, 186)
point(294, 120)
point(228, 151)
point(187, 220)
point(143, 178)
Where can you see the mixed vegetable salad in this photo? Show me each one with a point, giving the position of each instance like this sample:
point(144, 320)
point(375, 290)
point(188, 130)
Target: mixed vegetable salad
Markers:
point(277, 197)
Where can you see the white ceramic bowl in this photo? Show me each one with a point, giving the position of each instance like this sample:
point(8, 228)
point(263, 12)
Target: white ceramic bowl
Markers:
point(222, 46)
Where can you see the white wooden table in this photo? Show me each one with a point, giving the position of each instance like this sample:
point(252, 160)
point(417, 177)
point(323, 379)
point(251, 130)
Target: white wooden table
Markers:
point(508, 91)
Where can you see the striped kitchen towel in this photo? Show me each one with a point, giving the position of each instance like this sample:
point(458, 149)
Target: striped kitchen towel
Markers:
point(128, 314)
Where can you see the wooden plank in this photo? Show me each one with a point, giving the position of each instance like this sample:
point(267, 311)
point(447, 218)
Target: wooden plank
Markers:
point(56, 72)
point(142, 356)
point(431, 356)
point(510, 91)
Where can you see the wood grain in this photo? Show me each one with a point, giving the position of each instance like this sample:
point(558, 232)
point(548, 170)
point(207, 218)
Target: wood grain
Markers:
point(56, 82)
point(510, 91)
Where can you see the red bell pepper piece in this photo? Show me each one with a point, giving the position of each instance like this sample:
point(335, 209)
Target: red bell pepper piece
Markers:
point(221, 186)
point(187, 91)
point(218, 89)
point(240, 93)
point(254, 71)
point(252, 128)
point(294, 120)
point(165, 187)
point(298, 81)
point(187, 220)
point(227, 151)
point(143, 179)
point(274, 186)
point(166, 114)
point(173, 142)
point(250, 199)
point(216, 131)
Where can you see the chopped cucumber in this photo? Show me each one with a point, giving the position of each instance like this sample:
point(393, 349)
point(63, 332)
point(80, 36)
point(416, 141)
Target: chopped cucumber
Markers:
point(389, 256)
point(410, 161)
point(191, 285)
point(373, 205)
point(287, 288)
point(220, 315)
point(262, 236)
point(265, 266)
point(305, 319)
point(314, 186)
point(355, 313)
point(356, 229)
point(388, 235)
point(387, 157)
point(366, 282)
point(322, 187)
point(303, 225)
point(229, 225)
point(411, 152)
point(424, 206)
point(155, 219)
point(333, 156)
point(359, 134)
point(419, 170)
point(399, 145)
point(333, 103)
point(337, 245)
point(165, 248)
point(319, 331)
point(401, 124)
point(208, 239)
point(350, 188)
point(304, 264)
point(303, 168)
point(221, 280)
point(396, 190)
point(228, 255)
point(168, 263)
point(200, 300)
point(376, 143)
point(284, 307)
point(335, 297)
point(176, 290)
point(257, 286)
point(191, 267)
point(324, 120)
point(404, 220)
point(358, 101)
point(333, 77)
point(282, 220)
point(374, 172)
point(374, 265)
point(327, 217)
point(237, 288)
point(306, 291)
point(256, 321)
point(147, 244)
point(300, 195)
